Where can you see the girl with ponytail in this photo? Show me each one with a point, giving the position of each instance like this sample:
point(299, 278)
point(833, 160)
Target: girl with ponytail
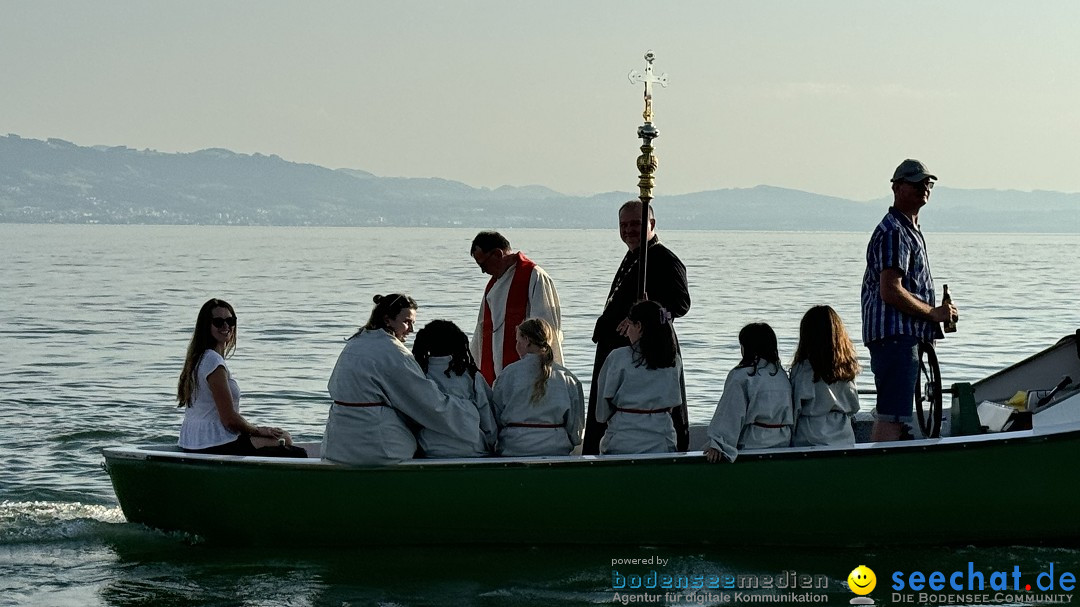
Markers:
point(539, 405)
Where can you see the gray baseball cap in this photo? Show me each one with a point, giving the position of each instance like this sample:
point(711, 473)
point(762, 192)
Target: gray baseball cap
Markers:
point(912, 170)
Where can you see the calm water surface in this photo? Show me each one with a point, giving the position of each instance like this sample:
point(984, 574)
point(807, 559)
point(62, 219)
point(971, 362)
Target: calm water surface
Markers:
point(96, 320)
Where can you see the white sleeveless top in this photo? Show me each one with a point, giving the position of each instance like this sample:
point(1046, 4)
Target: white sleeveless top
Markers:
point(202, 427)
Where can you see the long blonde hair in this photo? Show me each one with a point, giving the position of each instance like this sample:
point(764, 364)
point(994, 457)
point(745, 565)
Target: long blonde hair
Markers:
point(539, 333)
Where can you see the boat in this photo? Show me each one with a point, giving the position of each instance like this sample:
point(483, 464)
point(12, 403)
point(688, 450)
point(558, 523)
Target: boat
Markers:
point(988, 483)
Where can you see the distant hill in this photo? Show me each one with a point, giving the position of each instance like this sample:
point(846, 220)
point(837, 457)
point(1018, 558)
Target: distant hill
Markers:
point(55, 181)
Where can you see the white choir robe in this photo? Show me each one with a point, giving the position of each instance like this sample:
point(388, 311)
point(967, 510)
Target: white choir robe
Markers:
point(478, 419)
point(823, 411)
point(762, 398)
point(374, 367)
point(563, 404)
point(625, 385)
point(543, 302)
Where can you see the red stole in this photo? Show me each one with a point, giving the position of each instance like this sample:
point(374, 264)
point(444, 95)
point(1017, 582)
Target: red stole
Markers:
point(517, 303)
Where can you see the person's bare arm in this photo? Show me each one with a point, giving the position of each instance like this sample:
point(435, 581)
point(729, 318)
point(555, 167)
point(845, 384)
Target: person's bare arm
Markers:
point(218, 381)
point(894, 294)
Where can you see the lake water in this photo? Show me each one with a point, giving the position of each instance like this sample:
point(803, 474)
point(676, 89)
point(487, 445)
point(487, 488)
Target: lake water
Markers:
point(96, 320)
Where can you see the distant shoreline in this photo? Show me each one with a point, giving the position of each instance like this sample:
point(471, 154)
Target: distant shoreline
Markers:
point(58, 182)
point(503, 227)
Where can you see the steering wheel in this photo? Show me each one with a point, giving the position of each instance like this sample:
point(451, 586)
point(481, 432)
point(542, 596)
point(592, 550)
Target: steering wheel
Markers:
point(928, 391)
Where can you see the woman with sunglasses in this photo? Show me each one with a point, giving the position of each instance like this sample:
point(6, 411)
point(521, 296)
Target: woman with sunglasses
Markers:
point(381, 395)
point(211, 397)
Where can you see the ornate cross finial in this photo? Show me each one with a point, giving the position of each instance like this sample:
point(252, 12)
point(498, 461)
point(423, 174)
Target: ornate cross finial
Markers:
point(647, 163)
point(648, 78)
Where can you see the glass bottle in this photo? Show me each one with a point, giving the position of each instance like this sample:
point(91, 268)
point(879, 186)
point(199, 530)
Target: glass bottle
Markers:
point(949, 326)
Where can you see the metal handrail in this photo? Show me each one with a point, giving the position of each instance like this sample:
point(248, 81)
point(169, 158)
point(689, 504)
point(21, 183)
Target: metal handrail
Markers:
point(951, 390)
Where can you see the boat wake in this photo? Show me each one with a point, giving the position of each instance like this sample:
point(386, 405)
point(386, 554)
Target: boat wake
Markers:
point(39, 522)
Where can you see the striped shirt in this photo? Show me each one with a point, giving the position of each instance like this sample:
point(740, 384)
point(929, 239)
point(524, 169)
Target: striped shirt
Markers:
point(897, 243)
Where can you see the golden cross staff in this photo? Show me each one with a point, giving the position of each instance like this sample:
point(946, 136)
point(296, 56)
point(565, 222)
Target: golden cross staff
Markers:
point(648, 78)
point(646, 162)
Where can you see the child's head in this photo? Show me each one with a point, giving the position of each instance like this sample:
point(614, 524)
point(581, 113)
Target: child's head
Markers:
point(758, 342)
point(534, 336)
point(824, 342)
point(650, 328)
point(444, 338)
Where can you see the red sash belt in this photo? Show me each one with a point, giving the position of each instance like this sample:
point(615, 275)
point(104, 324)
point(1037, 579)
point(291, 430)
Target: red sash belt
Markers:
point(764, 425)
point(338, 402)
point(517, 303)
point(644, 411)
point(532, 425)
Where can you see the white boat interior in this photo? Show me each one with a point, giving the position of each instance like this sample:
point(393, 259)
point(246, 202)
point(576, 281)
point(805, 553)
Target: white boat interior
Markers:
point(1045, 387)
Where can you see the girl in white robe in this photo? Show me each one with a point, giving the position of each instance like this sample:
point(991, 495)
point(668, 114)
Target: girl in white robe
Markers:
point(639, 385)
point(379, 391)
point(442, 350)
point(754, 411)
point(823, 381)
point(539, 405)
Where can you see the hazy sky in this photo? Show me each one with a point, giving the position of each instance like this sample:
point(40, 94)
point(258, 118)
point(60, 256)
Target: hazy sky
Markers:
point(820, 96)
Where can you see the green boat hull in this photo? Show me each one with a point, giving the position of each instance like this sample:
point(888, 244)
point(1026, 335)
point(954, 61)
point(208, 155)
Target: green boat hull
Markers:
point(1009, 488)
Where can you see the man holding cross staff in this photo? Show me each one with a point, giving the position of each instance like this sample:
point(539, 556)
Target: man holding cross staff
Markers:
point(647, 272)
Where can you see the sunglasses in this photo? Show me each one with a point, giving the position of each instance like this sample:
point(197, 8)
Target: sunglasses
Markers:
point(921, 185)
point(221, 322)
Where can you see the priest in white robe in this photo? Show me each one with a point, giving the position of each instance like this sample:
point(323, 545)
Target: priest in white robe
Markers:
point(518, 289)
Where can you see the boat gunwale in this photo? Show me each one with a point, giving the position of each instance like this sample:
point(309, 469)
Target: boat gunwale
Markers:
point(156, 453)
point(1067, 340)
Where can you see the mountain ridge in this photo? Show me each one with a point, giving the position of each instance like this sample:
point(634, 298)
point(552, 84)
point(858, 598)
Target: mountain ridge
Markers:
point(57, 181)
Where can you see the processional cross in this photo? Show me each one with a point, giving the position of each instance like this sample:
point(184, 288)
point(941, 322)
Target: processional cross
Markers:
point(646, 162)
point(648, 78)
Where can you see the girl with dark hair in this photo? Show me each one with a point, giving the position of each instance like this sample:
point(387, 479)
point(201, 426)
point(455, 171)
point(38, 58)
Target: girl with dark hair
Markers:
point(539, 405)
point(823, 381)
point(211, 397)
point(380, 393)
point(639, 385)
point(394, 313)
point(754, 411)
point(442, 351)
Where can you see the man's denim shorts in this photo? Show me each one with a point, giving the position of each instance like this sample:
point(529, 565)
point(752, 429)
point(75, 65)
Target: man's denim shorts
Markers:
point(895, 363)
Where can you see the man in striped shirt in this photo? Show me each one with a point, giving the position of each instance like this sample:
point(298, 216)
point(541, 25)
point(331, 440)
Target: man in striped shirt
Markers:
point(898, 303)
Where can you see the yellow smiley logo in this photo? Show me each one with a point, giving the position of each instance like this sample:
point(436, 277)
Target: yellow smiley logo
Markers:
point(862, 580)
